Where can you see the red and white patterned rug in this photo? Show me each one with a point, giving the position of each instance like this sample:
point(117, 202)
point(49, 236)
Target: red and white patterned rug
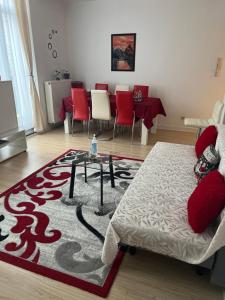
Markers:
point(43, 232)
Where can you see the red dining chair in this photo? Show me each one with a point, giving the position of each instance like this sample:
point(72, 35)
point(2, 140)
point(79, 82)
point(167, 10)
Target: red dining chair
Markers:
point(125, 115)
point(102, 86)
point(144, 89)
point(81, 109)
point(77, 84)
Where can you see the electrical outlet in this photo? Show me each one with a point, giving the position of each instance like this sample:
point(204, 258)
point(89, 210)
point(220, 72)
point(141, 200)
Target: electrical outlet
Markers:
point(182, 118)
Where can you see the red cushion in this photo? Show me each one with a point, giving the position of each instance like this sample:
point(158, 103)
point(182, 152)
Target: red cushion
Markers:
point(208, 137)
point(206, 202)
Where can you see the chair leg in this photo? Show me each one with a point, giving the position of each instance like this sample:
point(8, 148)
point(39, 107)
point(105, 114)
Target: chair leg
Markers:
point(132, 138)
point(72, 125)
point(132, 134)
point(88, 125)
point(114, 129)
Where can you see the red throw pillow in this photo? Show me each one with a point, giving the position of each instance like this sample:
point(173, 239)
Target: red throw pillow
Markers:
point(206, 202)
point(208, 137)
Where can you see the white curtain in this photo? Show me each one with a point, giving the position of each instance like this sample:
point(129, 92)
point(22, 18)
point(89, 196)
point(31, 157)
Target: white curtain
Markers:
point(13, 65)
point(40, 123)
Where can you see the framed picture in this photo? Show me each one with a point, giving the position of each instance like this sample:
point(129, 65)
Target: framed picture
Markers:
point(123, 51)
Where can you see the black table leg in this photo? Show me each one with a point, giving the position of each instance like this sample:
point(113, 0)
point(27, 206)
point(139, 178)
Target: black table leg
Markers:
point(72, 180)
point(85, 171)
point(101, 171)
point(111, 171)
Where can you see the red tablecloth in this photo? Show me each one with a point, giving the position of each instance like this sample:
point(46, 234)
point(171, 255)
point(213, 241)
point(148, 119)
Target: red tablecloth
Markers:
point(147, 110)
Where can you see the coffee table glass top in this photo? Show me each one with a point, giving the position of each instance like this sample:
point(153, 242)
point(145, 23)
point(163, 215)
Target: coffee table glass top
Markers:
point(92, 162)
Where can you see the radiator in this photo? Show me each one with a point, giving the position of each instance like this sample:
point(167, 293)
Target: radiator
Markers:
point(55, 91)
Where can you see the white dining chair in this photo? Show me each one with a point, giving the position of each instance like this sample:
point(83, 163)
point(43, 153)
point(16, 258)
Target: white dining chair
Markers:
point(100, 105)
point(122, 88)
point(101, 110)
point(216, 118)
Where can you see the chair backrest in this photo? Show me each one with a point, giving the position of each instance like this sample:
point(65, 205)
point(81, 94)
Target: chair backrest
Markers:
point(122, 87)
point(102, 86)
point(80, 104)
point(125, 108)
point(144, 89)
point(100, 105)
point(217, 112)
point(77, 84)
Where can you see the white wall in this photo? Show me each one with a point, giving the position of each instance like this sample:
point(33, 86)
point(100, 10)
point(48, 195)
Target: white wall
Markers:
point(46, 15)
point(178, 42)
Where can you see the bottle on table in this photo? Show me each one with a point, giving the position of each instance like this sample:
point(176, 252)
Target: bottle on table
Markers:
point(94, 146)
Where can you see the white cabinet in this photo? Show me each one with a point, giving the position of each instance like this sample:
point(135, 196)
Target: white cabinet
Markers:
point(55, 91)
point(12, 140)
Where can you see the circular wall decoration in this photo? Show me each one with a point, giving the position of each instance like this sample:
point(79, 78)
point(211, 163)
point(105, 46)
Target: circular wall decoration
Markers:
point(50, 46)
point(54, 54)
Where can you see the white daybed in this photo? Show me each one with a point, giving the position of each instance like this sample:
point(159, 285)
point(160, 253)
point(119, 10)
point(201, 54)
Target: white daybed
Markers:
point(153, 212)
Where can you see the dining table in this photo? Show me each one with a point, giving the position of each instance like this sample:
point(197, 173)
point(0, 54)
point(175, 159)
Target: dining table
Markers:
point(145, 110)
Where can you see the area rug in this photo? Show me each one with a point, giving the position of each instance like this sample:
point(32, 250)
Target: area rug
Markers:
point(45, 232)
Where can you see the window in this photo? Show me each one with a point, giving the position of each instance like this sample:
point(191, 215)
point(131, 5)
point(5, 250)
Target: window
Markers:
point(13, 64)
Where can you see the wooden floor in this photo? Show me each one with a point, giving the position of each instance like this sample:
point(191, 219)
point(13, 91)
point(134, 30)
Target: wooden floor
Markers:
point(143, 276)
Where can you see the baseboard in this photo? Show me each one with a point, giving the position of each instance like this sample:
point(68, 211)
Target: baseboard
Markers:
point(176, 128)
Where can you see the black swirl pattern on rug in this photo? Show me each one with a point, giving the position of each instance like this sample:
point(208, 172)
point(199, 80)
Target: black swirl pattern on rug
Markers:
point(67, 158)
point(71, 156)
point(2, 237)
point(94, 177)
point(88, 226)
point(126, 165)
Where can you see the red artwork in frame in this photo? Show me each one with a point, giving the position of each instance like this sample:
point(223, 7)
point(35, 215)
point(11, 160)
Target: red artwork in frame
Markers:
point(123, 52)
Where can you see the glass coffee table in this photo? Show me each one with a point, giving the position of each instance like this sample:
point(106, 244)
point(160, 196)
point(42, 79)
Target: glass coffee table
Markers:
point(100, 162)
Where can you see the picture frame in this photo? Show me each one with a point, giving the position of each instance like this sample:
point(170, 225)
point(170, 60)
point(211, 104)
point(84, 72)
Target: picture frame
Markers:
point(123, 48)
